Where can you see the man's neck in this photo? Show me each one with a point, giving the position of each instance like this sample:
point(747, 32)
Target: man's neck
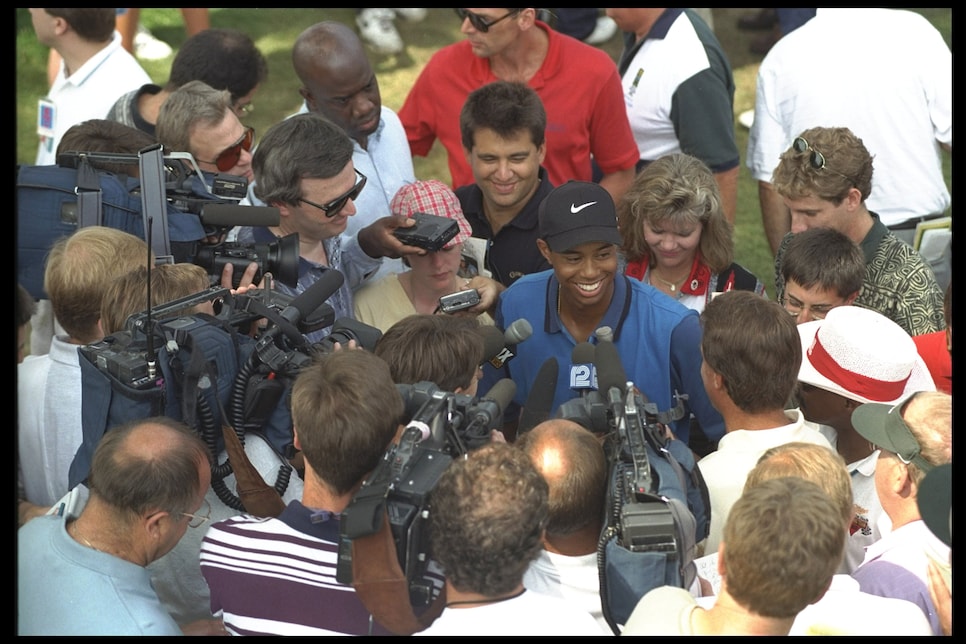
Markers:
point(521, 59)
point(582, 542)
point(728, 617)
point(76, 52)
point(736, 419)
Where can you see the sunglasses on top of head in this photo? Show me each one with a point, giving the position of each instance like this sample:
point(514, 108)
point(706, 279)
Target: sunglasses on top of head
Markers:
point(229, 157)
point(480, 23)
point(332, 208)
point(816, 158)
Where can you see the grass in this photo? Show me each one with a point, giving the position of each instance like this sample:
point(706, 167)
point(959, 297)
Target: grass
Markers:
point(274, 31)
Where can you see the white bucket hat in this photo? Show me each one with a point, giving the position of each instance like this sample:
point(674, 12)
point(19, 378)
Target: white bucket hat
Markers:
point(862, 355)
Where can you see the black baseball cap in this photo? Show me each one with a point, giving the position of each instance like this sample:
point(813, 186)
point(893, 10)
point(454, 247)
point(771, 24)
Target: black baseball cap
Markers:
point(575, 213)
point(935, 500)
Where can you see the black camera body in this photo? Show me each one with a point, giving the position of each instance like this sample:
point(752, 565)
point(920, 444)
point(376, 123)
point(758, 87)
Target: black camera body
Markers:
point(431, 232)
point(280, 258)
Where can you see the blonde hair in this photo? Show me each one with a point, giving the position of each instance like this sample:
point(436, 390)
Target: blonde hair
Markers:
point(128, 293)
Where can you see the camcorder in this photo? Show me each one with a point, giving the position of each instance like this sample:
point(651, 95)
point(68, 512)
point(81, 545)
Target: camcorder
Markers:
point(182, 212)
point(442, 426)
point(431, 232)
point(208, 371)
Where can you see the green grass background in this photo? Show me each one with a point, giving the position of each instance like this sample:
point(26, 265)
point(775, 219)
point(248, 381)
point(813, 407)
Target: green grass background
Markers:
point(274, 31)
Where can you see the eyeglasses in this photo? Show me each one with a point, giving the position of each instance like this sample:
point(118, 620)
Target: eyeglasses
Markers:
point(817, 159)
point(230, 155)
point(815, 312)
point(197, 520)
point(332, 208)
point(480, 23)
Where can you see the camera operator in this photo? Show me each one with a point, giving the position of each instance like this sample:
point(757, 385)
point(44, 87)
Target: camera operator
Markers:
point(346, 411)
point(303, 166)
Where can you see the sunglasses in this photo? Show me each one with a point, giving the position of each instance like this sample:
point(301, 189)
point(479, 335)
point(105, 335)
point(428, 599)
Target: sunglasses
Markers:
point(332, 208)
point(228, 158)
point(480, 23)
point(816, 159)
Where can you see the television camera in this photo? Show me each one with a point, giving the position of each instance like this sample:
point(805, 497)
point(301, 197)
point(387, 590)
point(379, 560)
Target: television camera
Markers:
point(442, 426)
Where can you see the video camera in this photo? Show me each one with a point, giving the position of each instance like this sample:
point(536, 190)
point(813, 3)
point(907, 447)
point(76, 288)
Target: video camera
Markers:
point(442, 426)
point(169, 202)
point(206, 371)
point(657, 502)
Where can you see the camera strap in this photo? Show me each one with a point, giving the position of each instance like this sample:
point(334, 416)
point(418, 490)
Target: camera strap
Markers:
point(259, 498)
point(382, 586)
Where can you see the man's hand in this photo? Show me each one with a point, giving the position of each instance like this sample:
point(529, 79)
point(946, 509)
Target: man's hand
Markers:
point(377, 240)
point(246, 279)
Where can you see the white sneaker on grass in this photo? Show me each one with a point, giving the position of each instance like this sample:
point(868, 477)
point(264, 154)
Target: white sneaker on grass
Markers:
point(412, 15)
point(378, 31)
point(147, 47)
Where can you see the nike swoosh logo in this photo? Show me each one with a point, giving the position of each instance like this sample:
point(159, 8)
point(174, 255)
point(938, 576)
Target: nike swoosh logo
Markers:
point(574, 208)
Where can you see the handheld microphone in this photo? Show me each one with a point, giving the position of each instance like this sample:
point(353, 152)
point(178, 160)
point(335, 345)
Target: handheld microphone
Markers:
point(539, 403)
point(583, 375)
point(610, 372)
point(514, 334)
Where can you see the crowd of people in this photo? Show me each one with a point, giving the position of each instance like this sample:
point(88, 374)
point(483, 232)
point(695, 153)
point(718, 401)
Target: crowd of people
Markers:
point(589, 204)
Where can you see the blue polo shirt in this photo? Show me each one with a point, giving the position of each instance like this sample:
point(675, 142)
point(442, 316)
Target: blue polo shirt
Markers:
point(658, 339)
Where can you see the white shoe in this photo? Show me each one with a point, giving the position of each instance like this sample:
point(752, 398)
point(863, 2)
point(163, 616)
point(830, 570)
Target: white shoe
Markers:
point(377, 29)
point(147, 47)
point(604, 31)
point(412, 15)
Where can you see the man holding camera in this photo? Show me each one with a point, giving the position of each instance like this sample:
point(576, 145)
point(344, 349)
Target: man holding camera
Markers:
point(278, 576)
point(303, 166)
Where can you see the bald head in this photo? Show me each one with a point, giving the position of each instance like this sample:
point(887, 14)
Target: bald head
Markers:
point(337, 78)
point(572, 461)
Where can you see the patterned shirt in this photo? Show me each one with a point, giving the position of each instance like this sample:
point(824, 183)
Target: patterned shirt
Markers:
point(898, 283)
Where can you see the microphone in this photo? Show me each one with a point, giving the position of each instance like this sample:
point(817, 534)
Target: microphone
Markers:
point(610, 372)
point(539, 403)
point(314, 296)
point(583, 375)
point(489, 410)
point(516, 333)
point(228, 215)
point(493, 341)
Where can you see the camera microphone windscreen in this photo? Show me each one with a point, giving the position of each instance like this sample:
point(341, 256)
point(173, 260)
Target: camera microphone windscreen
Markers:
point(539, 403)
point(314, 296)
point(610, 371)
point(493, 341)
point(501, 394)
point(227, 215)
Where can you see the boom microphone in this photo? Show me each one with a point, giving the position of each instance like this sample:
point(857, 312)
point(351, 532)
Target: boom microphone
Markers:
point(539, 403)
point(314, 296)
point(489, 410)
point(227, 215)
point(610, 371)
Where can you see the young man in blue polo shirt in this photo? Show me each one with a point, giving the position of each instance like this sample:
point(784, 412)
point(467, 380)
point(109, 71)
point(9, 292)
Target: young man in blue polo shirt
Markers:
point(659, 339)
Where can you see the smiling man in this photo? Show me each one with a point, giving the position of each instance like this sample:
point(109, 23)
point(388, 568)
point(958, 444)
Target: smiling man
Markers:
point(657, 337)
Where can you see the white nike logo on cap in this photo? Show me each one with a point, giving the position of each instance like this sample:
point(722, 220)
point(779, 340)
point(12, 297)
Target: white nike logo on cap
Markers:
point(574, 208)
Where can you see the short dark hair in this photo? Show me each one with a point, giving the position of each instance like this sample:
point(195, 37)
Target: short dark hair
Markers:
point(754, 344)
point(825, 258)
point(489, 513)
point(303, 146)
point(443, 349)
point(506, 108)
point(222, 58)
point(345, 410)
point(94, 25)
point(102, 135)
